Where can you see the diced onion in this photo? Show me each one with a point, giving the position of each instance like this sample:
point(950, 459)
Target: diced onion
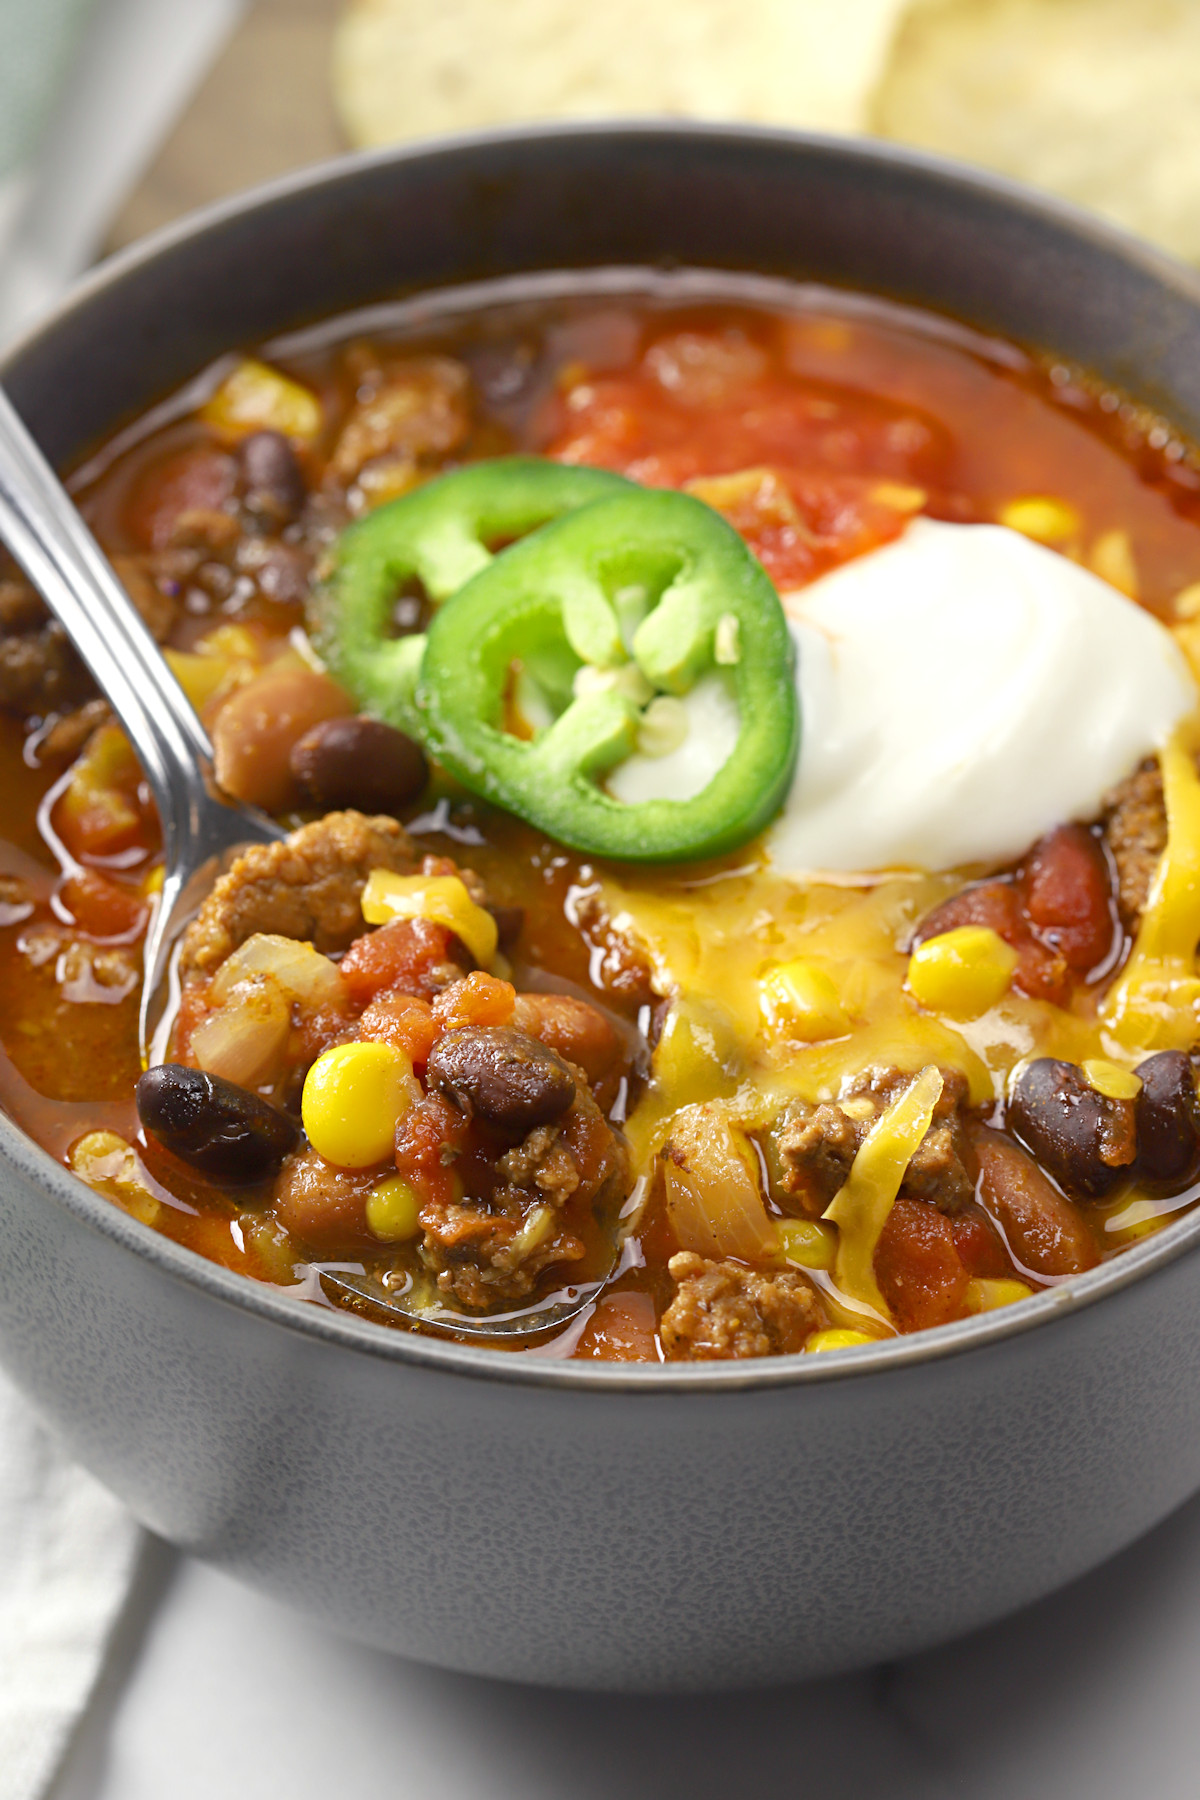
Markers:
point(302, 972)
point(244, 1039)
point(713, 1198)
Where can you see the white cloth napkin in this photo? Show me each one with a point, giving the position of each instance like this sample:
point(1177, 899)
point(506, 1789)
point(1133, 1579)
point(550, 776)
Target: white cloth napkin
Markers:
point(87, 88)
point(67, 1556)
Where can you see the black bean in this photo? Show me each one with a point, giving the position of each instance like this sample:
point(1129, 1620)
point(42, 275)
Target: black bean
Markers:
point(359, 762)
point(510, 1080)
point(1168, 1118)
point(215, 1126)
point(1084, 1139)
point(274, 485)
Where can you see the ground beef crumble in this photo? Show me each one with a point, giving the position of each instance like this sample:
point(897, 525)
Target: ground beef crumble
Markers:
point(493, 1247)
point(723, 1310)
point(309, 886)
point(815, 1144)
point(1135, 831)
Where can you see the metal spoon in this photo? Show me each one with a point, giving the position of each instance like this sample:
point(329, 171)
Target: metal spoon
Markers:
point(201, 831)
point(371, 1294)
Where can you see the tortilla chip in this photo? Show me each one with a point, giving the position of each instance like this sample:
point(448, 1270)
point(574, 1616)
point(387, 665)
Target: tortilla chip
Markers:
point(1098, 100)
point(413, 68)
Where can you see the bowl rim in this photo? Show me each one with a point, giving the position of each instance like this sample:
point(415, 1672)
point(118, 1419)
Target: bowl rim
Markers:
point(274, 1305)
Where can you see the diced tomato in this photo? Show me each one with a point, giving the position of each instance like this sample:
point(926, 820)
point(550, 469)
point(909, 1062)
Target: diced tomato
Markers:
point(918, 1267)
point(978, 1243)
point(102, 907)
point(479, 1000)
point(396, 958)
point(403, 1020)
point(427, 1141)
point(99, 812)
point(315, 1031)
point(622, 1329)
point(192, 1011)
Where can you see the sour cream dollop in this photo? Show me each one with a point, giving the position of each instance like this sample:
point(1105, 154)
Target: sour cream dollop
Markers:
point(962, 690)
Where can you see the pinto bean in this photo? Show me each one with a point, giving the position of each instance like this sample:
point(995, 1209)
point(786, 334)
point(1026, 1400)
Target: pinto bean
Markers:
point(223, 1130)
point(1083, 1138)
point(509, 1079)
point(255, 730)
point(274, 484)
point(360, 763)
point(1168, 1118)
point(325, 1207)
point(1045, 1232)
point(573, 1029)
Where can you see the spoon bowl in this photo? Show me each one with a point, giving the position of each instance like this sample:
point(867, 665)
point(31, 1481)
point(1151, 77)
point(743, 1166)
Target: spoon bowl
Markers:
point(202, 830)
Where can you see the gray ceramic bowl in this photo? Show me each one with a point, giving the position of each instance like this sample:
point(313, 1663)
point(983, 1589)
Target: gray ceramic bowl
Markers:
point(591, 1524)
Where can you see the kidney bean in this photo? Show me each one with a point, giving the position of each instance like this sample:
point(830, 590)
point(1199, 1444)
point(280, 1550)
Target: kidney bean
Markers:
point(508, 1079)
point(256, 728)
point(1045, 1231)
point(1067, 897)
point(918, 1266)
point(273, 482)
point(1168, 1118)
point(1084, 1139)
point(223, 1130)
point(358, 762)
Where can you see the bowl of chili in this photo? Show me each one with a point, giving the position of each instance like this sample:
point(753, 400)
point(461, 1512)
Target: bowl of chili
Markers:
point(593, 1521)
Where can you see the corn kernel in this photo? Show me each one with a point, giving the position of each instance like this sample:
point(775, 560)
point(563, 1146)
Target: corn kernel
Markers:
point(354, 1097)
point(256, 397)
point(1111, 1080)
point(442, 898)
point(1111, 557)
point(200, 677)
point(1043, 518)
point(962, 972)
point(1187, 601)
point(899, 496)
point(986, 1296)
point(110, 1165)
point(799, 999)
point(153, 882)
point(392, 1210)
point(807, 1242)
point(837, 1340)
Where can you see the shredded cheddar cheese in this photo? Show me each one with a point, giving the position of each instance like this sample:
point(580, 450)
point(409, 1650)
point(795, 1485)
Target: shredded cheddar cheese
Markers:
point(860, 1209)
point(1155, 1002)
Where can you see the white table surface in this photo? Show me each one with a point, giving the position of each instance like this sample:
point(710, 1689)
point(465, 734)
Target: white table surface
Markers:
point(1092, 1695)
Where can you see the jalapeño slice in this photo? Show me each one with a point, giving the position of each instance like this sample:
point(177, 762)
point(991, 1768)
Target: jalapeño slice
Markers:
point(429, 542)
point(631, 597)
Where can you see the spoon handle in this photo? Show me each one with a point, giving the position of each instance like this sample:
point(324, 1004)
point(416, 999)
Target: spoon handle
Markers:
point(58, 553)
